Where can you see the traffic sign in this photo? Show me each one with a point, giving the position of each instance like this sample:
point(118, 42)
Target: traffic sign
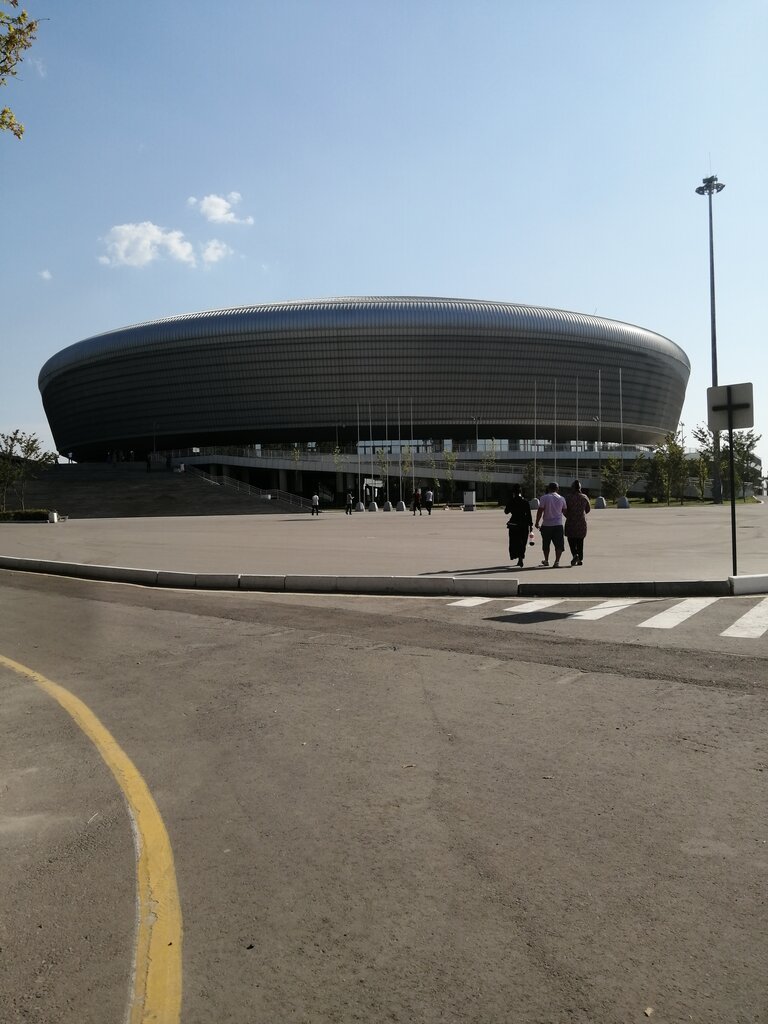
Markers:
point(733, 399)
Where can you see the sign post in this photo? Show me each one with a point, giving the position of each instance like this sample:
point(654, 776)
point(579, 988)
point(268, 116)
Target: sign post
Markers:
point(730, 408)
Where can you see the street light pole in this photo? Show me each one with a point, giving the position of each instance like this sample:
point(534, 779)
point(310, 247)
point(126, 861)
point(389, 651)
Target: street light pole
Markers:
point(599, 423)
point(708, 188)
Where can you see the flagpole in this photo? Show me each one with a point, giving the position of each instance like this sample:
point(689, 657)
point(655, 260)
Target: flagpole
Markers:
point(399, 456)
point(386, 445)
point(535, 428)
point(370, 437)
point(577, 428)
point(359, 499)
point(621, 420)
point(413, 455)
point(555, 441)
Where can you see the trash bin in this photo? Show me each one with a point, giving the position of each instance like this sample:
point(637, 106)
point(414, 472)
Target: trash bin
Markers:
point(53, 517)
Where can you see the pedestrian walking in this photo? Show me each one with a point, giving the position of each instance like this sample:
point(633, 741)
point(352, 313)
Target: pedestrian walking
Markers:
point(550, 515)
point(519, 524)
point(149, 462)
point(349, 504)
point(577, 508)
point(417, 501)
point(315, 510)
point(429, 500)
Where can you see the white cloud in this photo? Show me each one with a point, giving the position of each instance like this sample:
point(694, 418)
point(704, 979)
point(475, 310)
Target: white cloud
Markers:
point(215, 250)
point(46, 275)
point(219, 209)
point(136, 245)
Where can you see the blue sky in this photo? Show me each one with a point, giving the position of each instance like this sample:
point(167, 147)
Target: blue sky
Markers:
point(187, 156)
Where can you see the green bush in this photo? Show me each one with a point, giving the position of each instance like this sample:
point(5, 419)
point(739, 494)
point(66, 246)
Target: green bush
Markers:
point(27, 515)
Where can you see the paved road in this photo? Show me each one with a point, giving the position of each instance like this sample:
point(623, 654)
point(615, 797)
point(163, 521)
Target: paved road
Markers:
point(388, 809)
point(638, 544)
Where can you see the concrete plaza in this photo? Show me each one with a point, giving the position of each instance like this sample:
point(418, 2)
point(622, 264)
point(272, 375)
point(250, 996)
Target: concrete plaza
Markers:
point(659, 544)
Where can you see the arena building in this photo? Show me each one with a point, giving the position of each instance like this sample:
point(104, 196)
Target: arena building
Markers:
point(343, 371)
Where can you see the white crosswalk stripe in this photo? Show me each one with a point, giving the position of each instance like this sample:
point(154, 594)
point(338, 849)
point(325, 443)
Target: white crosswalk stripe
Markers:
point(672, 617)
point(752, 623)
point(607, 608)
point(531, 607)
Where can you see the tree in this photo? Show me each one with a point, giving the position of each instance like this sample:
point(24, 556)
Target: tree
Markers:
point(706, 451)
point(488, 463)
point(433, 467)
point(671, 466)
point(406, 465)
point(533, 481)
point(339, 459)
point(449, 460)
point(617, 479)
point(9, 467)
point(614, 485)
point(382, 461)
point(745, 463)
point(702, 472)
point(656, 478)
point(21, 457)
point(17, 33)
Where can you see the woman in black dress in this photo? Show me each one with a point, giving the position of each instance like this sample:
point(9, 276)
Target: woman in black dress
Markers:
point(519, 525)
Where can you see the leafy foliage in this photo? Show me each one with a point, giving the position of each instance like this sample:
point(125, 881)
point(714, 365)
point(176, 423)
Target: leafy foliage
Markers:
point(488, 463)
point(30, 515)
point(670, 467)
point(449, 461)
point(17, 33)
point(21, 456)
point(382, 461)
point(747, 469)
point(745, 464)
point(614, 484)
point(533, 480)
point(406, 464)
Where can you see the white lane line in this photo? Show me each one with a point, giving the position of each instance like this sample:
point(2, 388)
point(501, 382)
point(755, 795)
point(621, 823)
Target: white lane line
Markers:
point(469, 602)
point(672, 617)
point(607, 608)
point(752, 623)
point(531, 607)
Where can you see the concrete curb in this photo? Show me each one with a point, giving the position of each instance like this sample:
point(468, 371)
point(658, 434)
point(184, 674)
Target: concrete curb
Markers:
point(427, 586)
point(437, 586)
point(748, 584)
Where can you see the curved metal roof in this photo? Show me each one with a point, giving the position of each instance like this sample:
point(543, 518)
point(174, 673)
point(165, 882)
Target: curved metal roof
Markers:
point(361, 314)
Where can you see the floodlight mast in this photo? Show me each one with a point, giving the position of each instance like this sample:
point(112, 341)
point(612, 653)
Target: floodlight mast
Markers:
point(709, 187)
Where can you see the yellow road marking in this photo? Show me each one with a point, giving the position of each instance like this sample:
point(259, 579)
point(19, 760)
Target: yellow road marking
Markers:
point(156, 985)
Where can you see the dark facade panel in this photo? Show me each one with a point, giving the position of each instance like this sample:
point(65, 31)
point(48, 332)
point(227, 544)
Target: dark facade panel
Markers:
point(297, 371)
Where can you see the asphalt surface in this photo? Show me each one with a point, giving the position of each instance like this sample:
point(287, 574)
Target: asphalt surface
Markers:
point(622, 546)
point(381, 814)
point(391, 809)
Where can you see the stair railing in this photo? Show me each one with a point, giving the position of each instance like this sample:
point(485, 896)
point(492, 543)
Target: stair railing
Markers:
point(265, 493)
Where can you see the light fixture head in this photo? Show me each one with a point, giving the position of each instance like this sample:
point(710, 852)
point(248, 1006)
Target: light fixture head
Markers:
point(709, 186)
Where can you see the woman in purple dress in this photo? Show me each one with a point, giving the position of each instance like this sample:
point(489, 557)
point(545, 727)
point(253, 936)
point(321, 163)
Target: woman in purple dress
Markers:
point(576, 511)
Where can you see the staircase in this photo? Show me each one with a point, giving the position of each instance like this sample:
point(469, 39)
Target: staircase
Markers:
point(102, 491)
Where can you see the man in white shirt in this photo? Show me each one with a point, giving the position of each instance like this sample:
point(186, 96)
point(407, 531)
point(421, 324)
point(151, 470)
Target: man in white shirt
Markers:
point(550, 515)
